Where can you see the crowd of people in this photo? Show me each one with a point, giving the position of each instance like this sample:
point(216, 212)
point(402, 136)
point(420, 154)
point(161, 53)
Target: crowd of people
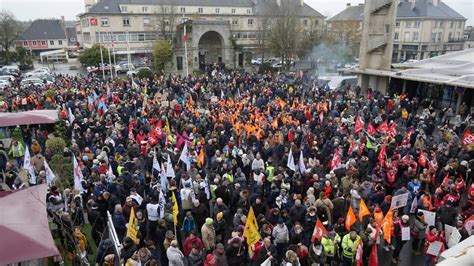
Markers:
point(203, 162)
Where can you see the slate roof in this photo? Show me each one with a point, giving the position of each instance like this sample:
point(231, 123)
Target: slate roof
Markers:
point(112, 6)
point(43, 29)
point(422, 9)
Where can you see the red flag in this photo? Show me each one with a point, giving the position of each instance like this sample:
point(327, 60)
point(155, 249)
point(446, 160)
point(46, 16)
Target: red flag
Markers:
point(393, 129)
point(336, 159)
point(382, 154)
point(468, 139)
point(422, 159)
point(359, 125)
point(152, 141)
point(321, 117)
point(370, 129)
point(359, 254)
point(351, 147)
point(383, 127)
point(319, 231)
point(157, 131)
point(374, 260)
point(406, 140)
point(130, 132)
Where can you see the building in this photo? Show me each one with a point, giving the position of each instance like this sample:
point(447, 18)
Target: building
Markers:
point(135, 25)
point(47, 35)
point(424, 28)
point(469, 37)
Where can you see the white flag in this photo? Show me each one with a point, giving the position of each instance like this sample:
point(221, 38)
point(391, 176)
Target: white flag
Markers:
point(291, 161)
point(163, 179)
point(27, 159)
point(206, 188)
point(49, 173)
point(78, 177)
point(32, 179)
point(169, 168)
point(70, 115)
point(301, 163)
point(414, 205)
point(156, 165)
point(110, 174)
point(161, 204)
point(222, 94)
point(184, 157)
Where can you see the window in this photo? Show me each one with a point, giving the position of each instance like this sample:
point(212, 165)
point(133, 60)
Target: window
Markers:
point(167, 21)
point(233, 10)
point(123, 8)
point(104, 22)
point(396, 36)
point(450, 36)
point(458, 35)
point(451, 24)
point(406, 37)
point(72, 39)
point(126, 22)
point(183, 10)
point(249, 11)
point(146, 21)
point(415, 36)
point(179, 62)
point(235, 22)
point(60, 42)
point(417, 24)
point(433, 37)
point(441, 24)
point(144, 9)
point(34, 42)
point(43, 43)
point(397, 24)
point(218, 10)
point(459, 24)
point(435, 25)
point(407, 24)
point(250, 21)
point(316, 22)
point(305, 22)
point(25, 43)
point(200, 10)
point(51, 42)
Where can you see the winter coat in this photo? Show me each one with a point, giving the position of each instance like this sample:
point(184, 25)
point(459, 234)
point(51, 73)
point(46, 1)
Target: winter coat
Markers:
point(208, 236)
point(175, 256)
point(419, 229)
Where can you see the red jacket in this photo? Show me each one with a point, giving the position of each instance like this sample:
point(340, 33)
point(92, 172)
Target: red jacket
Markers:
point(189, 243)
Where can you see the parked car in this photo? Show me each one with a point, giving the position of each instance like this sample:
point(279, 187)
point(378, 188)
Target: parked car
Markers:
point(37, 72)
point(11, 70)
point(4, 83)
point(7, 77)
point(131, 73)
point(257, 61)
point(31, 81)
point(124, 68)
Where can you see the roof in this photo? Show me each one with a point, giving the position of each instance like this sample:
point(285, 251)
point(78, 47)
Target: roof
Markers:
point(26, 240)
point(422, 9)
point(28, 118)
point(42, 29)
point(71, 32)
point(113, 6)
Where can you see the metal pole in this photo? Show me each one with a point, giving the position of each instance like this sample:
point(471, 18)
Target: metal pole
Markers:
point(102, 61)
point(113, 48)
point(186, 47)
point(110, 64)
point(128, 50)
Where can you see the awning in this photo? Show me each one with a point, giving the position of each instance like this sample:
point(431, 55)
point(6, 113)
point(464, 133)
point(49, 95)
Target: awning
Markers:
point(24, 226)
point(28, 118)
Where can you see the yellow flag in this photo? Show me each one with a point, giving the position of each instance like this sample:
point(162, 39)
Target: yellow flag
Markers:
point(167, 128)
point(132, 226)
point(175, 208)
point(251, 229)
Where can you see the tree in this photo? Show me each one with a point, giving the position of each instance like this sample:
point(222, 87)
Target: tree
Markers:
point(91, 56)
point(10, 30)
point(23, 56)
point(162, 54)
point(262, 36)
point(144, 73)
point(166, 20)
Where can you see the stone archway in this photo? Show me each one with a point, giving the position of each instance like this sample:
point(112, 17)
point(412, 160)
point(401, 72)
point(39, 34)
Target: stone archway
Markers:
point(211, 48)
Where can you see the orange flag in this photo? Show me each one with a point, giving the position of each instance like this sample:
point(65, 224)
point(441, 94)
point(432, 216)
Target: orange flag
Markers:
point(319, 231)
point(387, 224)
point(363, 210)
point(350, 218)
point(191, 100)
point(275, 123)
point(201, 158)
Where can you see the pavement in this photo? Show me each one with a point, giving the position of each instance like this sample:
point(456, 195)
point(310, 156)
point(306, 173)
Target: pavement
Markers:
point(406, 257)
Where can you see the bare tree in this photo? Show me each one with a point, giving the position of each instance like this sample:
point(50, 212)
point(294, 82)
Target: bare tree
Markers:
point(10, 30)
point(262, 36)
point(166, 19)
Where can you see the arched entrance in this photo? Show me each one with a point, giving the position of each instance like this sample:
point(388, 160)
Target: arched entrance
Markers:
point(211, 49)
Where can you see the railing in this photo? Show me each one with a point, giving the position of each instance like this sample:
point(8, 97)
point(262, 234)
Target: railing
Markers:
point(377, 42)
point(380, 4)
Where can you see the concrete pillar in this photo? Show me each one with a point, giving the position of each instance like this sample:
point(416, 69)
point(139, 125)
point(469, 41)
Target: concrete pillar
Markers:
point(404, 88)
point(458, 103)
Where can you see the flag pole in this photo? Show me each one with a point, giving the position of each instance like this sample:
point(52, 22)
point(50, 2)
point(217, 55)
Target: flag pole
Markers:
point(110, 64)
point(186, 47)
point(102, 61)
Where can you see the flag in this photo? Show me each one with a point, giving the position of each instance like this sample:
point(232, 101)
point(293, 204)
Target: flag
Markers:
point(49, 173)
point(468, 139)
point(371, 129)
point(175, 208)
point(157, 130)
point(382, 154)
point(70, 115)
point(414, 205)
point(132, 225)
point(359, 125)
point(275, 123)
point(319, 231)
point(163, 179)
point(152, 141)
point(374, 260)
point(359, 254)
point(383, 127)
point(350, 218)
point(407, 137)
point(103, 106)
point(251, 229)
point(351, 147)
point(27, 159)
point(78, 177)
point(184, 157)
point(392, 131)
point(206, 188)
point(90, 103)
point(167, 128)
point(321, 117)
point(130, 132)
point(169, 168)
point(156, 165)
point(336, 160)
point(387, 223)
point(422, 159)
point(291, 161)
point(363, 210)
point(110, 173)
point(201, 158)
point(301, 163)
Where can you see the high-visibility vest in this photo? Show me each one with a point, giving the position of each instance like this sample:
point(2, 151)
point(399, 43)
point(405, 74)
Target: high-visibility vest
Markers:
point(270, 173)
point(330, 245)
point(18, 150)
point(347, 242)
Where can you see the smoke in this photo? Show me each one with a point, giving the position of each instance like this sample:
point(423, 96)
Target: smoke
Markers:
point(331, 57)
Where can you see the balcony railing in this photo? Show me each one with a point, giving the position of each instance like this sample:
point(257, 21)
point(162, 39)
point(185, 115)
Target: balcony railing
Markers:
point(377, 41)
point(380, 4)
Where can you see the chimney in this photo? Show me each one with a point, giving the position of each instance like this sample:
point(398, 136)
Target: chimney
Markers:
point(278, 2)
point(413, 4)
point(435, 2)
point(301, 2)
point(348, 4)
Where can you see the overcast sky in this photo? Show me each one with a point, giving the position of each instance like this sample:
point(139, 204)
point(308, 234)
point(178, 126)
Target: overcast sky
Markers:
point(33, 9)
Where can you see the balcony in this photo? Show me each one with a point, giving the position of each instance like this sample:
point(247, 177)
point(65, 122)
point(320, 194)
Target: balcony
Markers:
point(380, 4)
point(376, 42)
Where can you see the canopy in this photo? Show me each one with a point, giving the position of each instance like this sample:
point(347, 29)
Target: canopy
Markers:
point(28, 118)
point(24, 226)
point(460, 254)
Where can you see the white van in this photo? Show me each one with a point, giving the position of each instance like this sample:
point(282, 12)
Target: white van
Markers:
point(338, 82)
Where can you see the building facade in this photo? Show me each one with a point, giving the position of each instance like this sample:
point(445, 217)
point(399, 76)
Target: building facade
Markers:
point(136, 25)
point(424, 28)
point(48, 35)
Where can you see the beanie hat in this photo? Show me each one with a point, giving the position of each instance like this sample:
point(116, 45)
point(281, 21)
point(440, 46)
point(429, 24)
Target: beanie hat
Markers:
point(219, 216)
point(209, 221)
